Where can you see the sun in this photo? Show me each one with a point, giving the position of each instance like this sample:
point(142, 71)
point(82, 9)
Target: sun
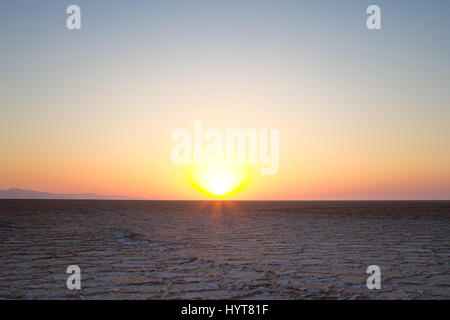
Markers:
point(219, 181)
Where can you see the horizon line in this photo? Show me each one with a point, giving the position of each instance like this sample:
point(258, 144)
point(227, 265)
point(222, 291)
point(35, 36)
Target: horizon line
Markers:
point(29, 194)
point(228, 200)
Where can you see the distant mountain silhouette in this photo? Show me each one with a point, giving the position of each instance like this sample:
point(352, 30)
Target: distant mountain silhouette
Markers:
point(16, 193)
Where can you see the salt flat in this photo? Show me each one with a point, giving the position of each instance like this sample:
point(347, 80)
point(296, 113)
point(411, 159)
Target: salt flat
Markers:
point(216, 250)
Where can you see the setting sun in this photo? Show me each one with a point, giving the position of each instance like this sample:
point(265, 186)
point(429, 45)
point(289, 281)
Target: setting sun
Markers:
point(219, 181)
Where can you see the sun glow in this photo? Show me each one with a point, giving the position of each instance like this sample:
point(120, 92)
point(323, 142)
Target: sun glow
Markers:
point(219, 181)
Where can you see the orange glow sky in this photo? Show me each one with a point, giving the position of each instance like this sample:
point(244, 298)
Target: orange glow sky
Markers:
point(362, 115)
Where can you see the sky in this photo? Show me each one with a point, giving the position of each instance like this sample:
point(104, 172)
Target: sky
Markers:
point(362, 114)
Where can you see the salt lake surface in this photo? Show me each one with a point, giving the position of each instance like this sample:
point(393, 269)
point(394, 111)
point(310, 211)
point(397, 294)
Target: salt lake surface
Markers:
point(216, 250)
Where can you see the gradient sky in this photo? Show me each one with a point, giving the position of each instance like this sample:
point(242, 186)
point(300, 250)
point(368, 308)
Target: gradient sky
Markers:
point(362, 114)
